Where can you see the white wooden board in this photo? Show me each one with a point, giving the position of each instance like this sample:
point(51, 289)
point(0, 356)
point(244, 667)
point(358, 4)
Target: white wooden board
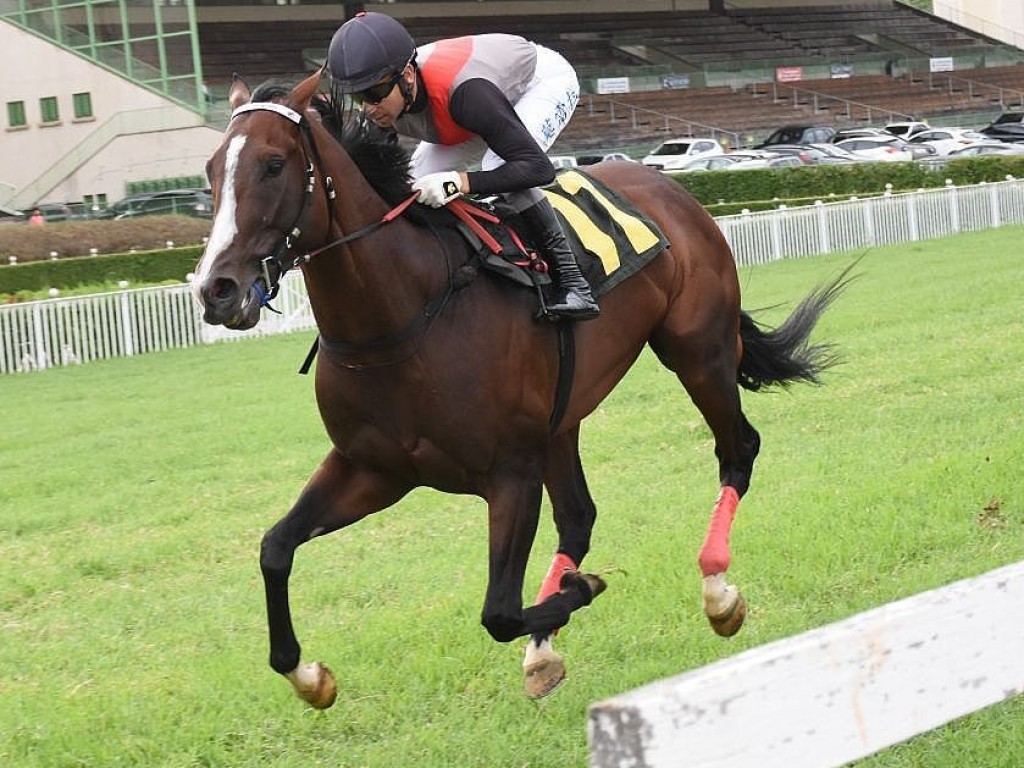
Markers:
point(833, 694)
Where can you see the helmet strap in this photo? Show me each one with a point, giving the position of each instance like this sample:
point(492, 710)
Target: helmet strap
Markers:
point(406, 89)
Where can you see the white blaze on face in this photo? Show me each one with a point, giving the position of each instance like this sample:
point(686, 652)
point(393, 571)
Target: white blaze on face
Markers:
point(224, 226)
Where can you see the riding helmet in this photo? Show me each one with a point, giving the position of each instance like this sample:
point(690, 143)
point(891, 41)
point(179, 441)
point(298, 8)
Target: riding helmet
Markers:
point(367, 48)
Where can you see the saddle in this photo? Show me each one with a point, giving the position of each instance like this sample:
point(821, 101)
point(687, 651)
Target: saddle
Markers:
point(610, 239)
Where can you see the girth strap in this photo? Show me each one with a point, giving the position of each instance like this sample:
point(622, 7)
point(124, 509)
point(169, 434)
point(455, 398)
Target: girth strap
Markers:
point(566, 372)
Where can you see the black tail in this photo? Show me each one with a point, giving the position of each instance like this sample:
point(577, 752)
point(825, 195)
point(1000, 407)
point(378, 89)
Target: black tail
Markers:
point(785, 355)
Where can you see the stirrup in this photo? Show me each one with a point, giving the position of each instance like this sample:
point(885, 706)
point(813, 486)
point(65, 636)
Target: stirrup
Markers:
point(574, 306)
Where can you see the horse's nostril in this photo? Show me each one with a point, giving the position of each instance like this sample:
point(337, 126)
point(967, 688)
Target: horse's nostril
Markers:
point(223, 288)
point(219, 292)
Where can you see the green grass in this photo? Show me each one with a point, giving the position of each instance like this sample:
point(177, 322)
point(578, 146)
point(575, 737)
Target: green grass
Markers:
point(133, 495)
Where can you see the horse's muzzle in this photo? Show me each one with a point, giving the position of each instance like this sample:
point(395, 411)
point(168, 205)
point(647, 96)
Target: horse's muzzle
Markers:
point(225, 304)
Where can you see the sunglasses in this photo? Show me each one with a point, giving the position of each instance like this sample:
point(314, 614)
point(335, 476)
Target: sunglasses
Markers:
point(375, 94)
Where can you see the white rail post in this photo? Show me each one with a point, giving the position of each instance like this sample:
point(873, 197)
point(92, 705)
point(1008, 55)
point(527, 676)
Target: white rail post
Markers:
point(833, 694)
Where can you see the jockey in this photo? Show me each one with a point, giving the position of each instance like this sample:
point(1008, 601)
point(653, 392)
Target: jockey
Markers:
point(495, 99)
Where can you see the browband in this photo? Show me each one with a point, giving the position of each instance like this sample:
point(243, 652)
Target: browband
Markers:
point(269, 106)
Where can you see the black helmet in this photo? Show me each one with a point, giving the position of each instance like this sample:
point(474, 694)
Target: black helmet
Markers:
point(366, 48)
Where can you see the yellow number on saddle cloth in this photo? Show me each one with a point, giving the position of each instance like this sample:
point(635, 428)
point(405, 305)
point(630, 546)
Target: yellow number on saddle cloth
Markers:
point(601, 223)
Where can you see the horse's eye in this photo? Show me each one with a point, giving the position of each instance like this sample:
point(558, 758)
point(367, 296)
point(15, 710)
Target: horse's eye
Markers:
point(274, 166)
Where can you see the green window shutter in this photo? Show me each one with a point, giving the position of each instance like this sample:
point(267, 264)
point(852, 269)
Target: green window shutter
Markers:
point(48, 109)
point(16, 114)
point(83, 105)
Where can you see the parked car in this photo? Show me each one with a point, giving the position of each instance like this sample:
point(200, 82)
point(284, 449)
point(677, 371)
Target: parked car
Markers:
point(1009, 126)
point(183, 202)
point(945, 140)
point(606, 157)
point(798, 134)
point(836, 154)
point(707, 163)
point(907, 129)
point(987, 147)
point(858, 132)
point(672, 154)
point(813, 154)
point(917, 151)
point(562, 161)
point(877, 148)
point(772, 161)
point(51, 211)
point(9, 215)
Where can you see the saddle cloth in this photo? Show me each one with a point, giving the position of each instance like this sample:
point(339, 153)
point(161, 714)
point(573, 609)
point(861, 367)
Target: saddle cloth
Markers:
point(609, 237)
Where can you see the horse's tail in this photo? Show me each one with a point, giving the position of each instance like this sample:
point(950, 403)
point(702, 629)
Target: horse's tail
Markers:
point(784, 355)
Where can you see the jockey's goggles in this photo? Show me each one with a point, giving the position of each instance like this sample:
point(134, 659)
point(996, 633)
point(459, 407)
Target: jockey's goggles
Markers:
point(375, 94)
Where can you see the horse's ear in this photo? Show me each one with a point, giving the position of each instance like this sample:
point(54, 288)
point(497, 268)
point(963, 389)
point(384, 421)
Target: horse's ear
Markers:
point(303, 92)
point(238, 94)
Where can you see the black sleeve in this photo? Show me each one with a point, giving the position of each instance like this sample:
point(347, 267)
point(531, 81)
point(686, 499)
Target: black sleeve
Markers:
point(478, 106)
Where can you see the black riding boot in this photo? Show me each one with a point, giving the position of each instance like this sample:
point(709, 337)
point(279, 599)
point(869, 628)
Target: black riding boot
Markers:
point(573, 298)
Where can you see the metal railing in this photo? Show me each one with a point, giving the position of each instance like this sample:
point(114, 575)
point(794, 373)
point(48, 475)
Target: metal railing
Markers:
point(783, 93)
point(678, 126)
point(42, 334)
point(1007, 97)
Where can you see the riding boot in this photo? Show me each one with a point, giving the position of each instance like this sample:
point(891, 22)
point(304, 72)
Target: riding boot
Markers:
point(573, 298)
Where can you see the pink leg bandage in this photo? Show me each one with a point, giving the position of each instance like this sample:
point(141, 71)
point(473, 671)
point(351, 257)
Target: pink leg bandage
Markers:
point(714, 555)
point(551, 584)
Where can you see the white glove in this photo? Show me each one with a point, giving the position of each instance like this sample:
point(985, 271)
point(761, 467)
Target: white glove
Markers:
point(437, 189)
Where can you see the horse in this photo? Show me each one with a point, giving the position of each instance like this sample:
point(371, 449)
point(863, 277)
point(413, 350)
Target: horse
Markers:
point(433, 373)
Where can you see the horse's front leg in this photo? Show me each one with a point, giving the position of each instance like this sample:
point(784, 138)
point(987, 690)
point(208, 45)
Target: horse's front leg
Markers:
point(574, 513)
point(513, 511)
point(337, 495)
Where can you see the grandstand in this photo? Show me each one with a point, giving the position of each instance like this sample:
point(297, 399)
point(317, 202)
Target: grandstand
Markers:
point(866, 63)
point(660, 68)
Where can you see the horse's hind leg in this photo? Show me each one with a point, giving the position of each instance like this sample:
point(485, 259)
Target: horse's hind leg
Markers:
point(574, 514)
point(710, 380)
point(337, 495)
point(736, 446)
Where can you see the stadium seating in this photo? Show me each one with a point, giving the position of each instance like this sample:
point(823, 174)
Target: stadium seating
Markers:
point(701, 44)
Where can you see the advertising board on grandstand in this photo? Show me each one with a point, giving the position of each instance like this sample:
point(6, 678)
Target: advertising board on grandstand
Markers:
point(612, 85)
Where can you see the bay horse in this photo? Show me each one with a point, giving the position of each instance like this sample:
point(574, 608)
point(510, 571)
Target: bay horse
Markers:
point(430, 374)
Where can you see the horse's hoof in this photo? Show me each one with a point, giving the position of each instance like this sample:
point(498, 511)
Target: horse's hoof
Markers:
point(596, 583)
point(315, 685)
point(588, 585)
point(543, 676)
point(728, 623)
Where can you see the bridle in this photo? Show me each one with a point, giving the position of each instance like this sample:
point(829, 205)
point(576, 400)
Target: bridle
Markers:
point(283, 257)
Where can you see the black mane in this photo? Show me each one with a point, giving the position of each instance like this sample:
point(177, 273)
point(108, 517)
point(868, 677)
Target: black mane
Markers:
point(376, 152)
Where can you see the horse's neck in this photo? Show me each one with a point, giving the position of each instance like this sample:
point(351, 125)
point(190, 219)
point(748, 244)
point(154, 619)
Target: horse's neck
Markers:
point(375, 285)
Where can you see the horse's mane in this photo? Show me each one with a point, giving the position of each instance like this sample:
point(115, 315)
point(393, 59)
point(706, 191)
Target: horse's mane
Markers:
point(375, 151)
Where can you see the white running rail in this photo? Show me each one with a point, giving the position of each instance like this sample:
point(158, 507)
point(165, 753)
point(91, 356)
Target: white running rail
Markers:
point(41, 334)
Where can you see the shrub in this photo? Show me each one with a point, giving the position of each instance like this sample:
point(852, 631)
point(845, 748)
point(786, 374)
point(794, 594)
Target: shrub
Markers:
point(145, 268)
point(76, 238)
point(758, 188)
